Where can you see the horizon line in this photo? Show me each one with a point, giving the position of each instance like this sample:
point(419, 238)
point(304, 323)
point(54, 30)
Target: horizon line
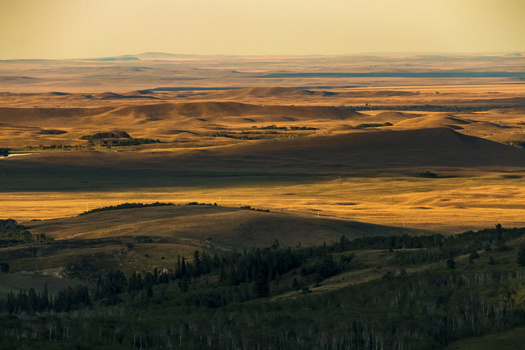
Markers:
point(134, 57)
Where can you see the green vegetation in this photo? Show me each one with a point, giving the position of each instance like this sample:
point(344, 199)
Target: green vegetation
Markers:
point(275, 127)
point(257, 135)
point(125, 206)
point(107, 135)
point(12, 234)
point(285, 298)
point(429, 175)
point(270, 132)
point(511, 339)
point(247, 207)
point(372, 125)
point(52, 147)
point(116, 138)
point(52, 132)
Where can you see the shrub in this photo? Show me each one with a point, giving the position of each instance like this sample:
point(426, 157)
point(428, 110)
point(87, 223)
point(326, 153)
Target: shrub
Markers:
point(428, 175)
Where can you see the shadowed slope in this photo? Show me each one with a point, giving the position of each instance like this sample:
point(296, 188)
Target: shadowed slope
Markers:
point(259, 161)
point(168, 115)
point(422, 147)
point(212, 110)
point(225, 226)
point(46, 116)
point(320, 154)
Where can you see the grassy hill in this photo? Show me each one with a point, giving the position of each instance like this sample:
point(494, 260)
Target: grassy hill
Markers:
point(317, 154)
point(142, 238)
point(229, 227)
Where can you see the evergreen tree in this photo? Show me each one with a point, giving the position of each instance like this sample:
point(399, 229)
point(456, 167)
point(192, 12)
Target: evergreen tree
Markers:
point(521, 256)
point(261, 286)
point(451, 264)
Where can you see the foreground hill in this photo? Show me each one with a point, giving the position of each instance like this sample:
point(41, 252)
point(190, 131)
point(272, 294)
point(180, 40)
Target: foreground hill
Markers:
point(382, 292)
point(221, 226)
point(143, 238)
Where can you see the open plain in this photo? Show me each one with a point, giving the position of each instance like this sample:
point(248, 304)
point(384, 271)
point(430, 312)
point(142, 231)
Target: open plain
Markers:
point(298, 135)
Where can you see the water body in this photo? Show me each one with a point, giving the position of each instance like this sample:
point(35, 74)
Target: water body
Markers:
point(15, 155)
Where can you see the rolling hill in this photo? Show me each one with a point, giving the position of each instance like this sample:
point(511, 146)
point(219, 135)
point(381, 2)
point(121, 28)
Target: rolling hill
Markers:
point(221, 226)
point(316, 154)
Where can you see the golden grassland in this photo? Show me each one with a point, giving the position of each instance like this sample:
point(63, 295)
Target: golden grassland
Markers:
point(352, 180)
point(322, 170)
point(452, 204)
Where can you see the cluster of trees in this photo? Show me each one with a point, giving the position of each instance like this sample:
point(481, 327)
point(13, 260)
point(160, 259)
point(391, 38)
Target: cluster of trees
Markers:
point(12, 233)
point(454, 245)
point(125, 206)
point(52, 132)
point(116, 138)
point(428, 174)
point(257, 135)
point(32, 302)
point(372, 125)
point(107, 135)
point(275, 127)
point(236, 277)
point(248, 207)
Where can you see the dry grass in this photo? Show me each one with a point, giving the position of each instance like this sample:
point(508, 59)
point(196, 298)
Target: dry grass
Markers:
point(467, 201)
point(371, 177)
point(195, 224)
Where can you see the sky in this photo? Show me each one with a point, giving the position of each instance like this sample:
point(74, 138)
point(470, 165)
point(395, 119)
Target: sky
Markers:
point(57, 29)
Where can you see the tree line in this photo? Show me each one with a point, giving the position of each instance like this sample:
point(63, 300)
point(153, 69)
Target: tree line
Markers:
point(12, 233)
point(221, 301)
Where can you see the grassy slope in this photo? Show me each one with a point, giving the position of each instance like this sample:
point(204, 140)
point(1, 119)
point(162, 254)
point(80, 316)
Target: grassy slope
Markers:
point(226, 226)
point(174, 230)
point(511, 339)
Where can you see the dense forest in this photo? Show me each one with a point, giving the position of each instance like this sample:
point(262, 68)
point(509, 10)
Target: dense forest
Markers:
point(427, 291)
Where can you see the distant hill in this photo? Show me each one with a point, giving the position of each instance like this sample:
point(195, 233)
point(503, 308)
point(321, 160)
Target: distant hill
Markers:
point(116, 58)
point(384, 149)
point(435, 121)
point(211, 111)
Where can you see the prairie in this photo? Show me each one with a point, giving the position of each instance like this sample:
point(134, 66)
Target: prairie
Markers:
point(356, 174)
point(371, 176)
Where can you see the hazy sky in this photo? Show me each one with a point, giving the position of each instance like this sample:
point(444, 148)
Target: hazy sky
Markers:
point(100, 28)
